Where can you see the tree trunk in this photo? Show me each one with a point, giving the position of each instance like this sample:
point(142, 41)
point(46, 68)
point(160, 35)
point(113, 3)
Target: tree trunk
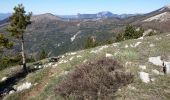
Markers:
point(23, 55)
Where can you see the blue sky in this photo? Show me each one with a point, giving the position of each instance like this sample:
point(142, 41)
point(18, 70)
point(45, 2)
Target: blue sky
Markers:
point(70, 7)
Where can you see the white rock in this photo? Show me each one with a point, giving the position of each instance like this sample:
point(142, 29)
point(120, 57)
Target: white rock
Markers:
point(168, 35)
point(126, 46)
point(115, 44)
point(50, 64)
point(152, 79)
point(71, 58)
point(109, 55)
point(62, 61)
point(135, 45)
point(39, 67)
point(35, 67)
point(66, 72)
point(151, 45)
point(79, 56)
point(144, 77)
point(116, 53)
point(157, 38)
point(131, 87)
point(156, 60)
point(62, 56)
point(24, 86)
point(141, 38)
point(98, 50)
point(63, 73)
point(35, 84)
point(119, 89)
point(11, 92)
point(147, 32)
point(128, 64)
point(156, 71)
point(4, 79)
point(167, 67)
point(142, 67)
point(85, 61)
point(73, 53)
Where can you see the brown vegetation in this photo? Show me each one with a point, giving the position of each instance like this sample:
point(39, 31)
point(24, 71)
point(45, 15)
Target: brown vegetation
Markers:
point(97, 80)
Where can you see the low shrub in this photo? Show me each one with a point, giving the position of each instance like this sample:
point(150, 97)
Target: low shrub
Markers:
point(97, 80)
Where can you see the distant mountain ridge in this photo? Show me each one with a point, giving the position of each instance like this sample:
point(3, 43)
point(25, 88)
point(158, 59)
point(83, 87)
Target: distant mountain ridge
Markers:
point(103, 14)
point(4, 15)
point(60, 34)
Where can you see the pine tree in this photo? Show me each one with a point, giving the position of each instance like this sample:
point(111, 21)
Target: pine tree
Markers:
point(4, 42)
point(18, 23)
point(90, 42)
point(43, 55)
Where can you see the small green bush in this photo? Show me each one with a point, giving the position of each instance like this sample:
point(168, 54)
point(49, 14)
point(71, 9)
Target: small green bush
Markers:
point(130, 33)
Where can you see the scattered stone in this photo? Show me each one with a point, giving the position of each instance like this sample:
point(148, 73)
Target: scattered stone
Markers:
point(116, 53)
point(3, 79)
point(85, 61)
point(119, 89)
point(128, 64)
point(152, 79)
point(131, 87)
point(62, 61)
point(24, 86)
point(156, 60)
point(167, 64)
point(62, 56)
point(35, 67)
point(35, 84)
point(71, 58)
point(11, 92)
point(109, 55)
point(141, 38)
point(168, 35)
point(115, 44)
point(135, 45)
point(142, 67)
point(63, 73)
point(126, 46)
point(151, 45)
point(79, 56)
point(156, 71)
point(147, 32)
point(39, 67)
point(144, 77)
point(66, 72)
point(158, 38)
point(100, 49)
point(73, 53)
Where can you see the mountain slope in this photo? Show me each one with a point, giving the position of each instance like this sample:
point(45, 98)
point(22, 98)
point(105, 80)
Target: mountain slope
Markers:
point(158, 20)
point(134, 55)
point(54, 35)
point(4, 16)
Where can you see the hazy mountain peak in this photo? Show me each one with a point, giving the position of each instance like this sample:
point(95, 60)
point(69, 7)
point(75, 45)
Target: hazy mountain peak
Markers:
point(46, 16)
point(168, 6)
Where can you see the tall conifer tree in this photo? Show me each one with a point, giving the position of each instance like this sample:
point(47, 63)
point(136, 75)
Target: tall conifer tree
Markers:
point(18, 23)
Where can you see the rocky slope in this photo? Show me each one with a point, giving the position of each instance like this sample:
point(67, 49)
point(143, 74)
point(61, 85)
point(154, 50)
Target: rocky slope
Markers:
point(143, 57)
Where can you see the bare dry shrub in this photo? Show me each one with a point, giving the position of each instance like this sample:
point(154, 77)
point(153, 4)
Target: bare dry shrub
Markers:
point(94, 81)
